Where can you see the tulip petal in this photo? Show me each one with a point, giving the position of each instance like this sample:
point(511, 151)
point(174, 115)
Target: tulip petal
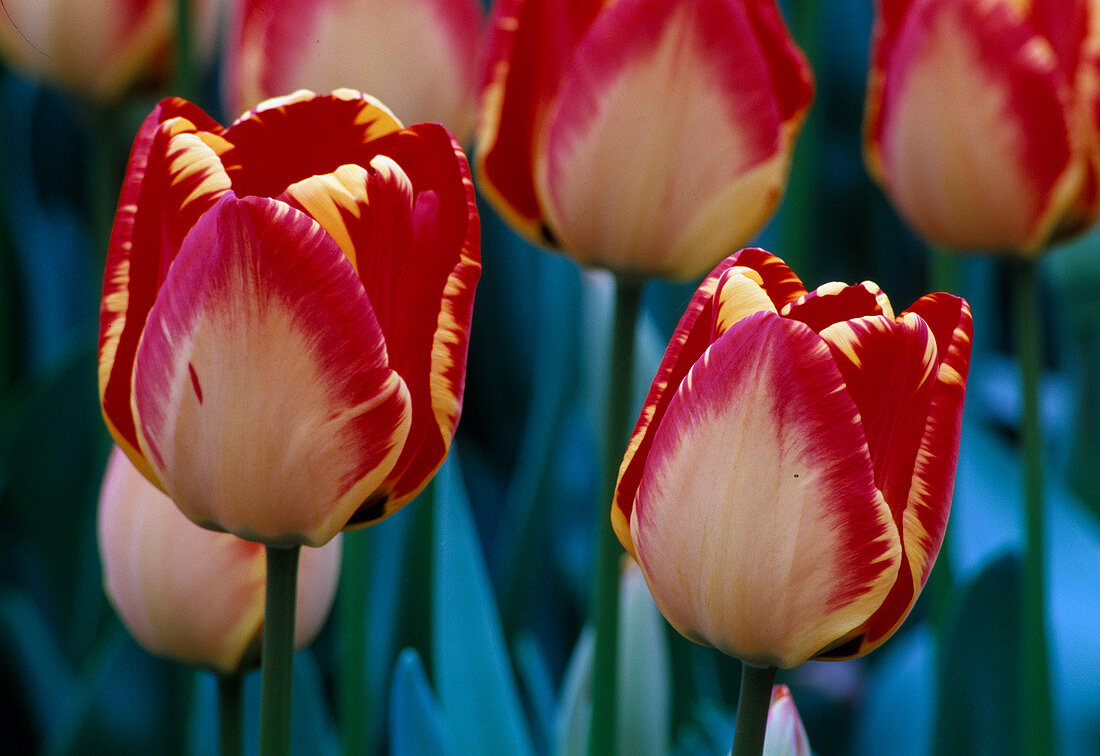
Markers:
point(173, 176)
point(263, 325)
point(684, 94)
point(835, 302)
point(530, 46)
point(987, 161)
point(280, 46)
point(908, 380)
point(694, 333)
point(795, 517)
point(326, 131)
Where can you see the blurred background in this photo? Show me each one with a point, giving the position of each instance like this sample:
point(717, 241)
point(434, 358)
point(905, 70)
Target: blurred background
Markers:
point(487, 578)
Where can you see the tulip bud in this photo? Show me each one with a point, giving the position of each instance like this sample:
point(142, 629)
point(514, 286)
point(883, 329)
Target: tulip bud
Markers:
point(417, 56)
point(787, 485)
point(97, 48)
point(785, 735)
point(982, 120)
point(645, 136)
point(190, 594)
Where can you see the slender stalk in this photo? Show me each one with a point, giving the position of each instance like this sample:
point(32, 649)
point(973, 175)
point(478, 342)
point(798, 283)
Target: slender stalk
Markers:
point(605, 598)
point(1038, 725)
point(352, 690)
point(186, 75)
point(943, 275)
point(230, 701)
point(752, 710)
point(278, 650)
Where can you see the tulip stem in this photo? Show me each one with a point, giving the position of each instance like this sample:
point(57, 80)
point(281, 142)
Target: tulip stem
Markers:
point(230, 730)
point(353, 691)
point(278, 650)
point(186, 80)
point(605, 599)
point(1038, 726)
point(752, 710)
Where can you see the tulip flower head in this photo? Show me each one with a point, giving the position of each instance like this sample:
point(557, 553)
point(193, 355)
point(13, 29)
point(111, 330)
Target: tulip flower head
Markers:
point(190, 594)
point(286, 311)
point(96, 48)
point(644, 136)
point(417, 56)
point(787, 485)
point(786, 735)
point(982, 122)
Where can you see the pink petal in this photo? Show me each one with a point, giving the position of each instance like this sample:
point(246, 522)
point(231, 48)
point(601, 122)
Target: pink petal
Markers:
point(278, 47)
point(757, 522)
point(967, 125)
point(261, 386)
point(669, 142)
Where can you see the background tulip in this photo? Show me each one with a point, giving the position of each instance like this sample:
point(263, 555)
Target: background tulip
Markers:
point(286, 311)
point(646, 136)
point(981, 122)
point(417, 56)
point(191, 594)
point(788, 482)
point(96, 48)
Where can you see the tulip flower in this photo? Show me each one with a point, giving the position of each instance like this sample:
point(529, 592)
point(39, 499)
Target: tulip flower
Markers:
point(786, 736)
point(644, 136)
point(191, 594)
point(982, 119)
point(417, 56)
point(286, 311)
point(788, 482)
point(96, 48)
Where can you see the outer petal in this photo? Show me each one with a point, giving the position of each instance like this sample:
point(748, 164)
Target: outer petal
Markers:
point(702, 321)
point(530, 48)
point(261, 387)
point(785, 735)
point(800, 546)
point(324, 44)
point(673, 110)
point(967, 124)
point(160, 569)
point(173, 176)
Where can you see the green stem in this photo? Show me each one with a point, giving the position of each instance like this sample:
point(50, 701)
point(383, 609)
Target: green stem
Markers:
point(943, 275)
point(605, 599)
point(230, 701)
point(278, 650)
point(752, 710)
point(1038, 726)
point(352, 671)
point(186, 76)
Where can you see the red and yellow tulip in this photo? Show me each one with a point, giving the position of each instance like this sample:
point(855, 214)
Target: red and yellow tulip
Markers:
point(282, 45)
point(787, 485)
point(286, 312)
point(982, 119)
point(191, 594)
point(96, 48)
point(644, 136)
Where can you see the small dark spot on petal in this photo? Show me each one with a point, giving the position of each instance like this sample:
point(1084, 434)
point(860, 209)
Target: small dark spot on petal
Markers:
point(195, 381)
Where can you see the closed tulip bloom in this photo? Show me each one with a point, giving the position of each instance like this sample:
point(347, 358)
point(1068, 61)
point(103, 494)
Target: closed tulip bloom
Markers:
point(417, 56)
point(786, 735)
point(190, 594)
point(286, 311)
point(651, 137)
point(982, 119)
point(96, 48)
point(788, 482)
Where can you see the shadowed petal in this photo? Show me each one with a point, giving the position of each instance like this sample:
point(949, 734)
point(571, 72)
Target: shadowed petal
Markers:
point(262, 392)
point(763, 444)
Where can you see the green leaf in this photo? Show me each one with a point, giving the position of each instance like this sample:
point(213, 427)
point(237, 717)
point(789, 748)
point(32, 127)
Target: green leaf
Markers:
point(472, 673)
point(416, 722)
